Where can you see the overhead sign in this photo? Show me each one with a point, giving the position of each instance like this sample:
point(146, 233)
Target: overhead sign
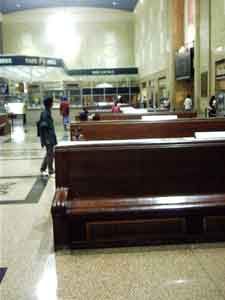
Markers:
point(30, 61)
point(103, 72)
point(20, 60)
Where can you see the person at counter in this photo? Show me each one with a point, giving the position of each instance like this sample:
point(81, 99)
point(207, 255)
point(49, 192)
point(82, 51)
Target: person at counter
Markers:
point(188, 103)
point(116, 107)
point(84, 114)
point(47, 136)
point(212, 107)
point(166, 103)
point(65, 111)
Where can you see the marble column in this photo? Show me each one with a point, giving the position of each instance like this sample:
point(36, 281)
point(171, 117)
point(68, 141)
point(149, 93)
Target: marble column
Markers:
point(176, 16)
point(197, 79)
point(210, 73)
point(203, 34)
point(1, 34)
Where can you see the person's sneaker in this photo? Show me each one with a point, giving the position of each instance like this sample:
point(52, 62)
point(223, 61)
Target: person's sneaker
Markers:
point(44, 173)
point(51, 173)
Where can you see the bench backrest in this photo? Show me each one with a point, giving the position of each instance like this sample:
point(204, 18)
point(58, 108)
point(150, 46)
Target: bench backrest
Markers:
point(141, 168)
point(126, 116)
point(135, 129)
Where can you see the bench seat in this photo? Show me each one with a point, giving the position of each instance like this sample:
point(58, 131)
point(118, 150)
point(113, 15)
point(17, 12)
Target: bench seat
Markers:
point(121, 221)
point(95, 205)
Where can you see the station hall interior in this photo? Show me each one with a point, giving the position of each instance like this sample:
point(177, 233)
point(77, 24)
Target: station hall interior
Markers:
point(112, 149)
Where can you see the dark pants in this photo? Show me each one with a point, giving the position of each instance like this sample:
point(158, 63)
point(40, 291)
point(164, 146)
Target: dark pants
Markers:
point(48, 159)
point(24, 120)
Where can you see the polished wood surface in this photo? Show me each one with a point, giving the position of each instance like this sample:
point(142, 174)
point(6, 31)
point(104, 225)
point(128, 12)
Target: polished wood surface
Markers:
point(142, 168)
point(139, 193)
point(135, 129)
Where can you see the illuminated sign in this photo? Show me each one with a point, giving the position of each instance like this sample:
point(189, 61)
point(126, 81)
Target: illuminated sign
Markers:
point(30, 61)
point(103, 72)
point(5, 61)
point(19, 60)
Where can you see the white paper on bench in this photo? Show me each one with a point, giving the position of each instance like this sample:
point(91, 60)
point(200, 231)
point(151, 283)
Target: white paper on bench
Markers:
point(132, 110)
point(210, 135)
point(159, 118)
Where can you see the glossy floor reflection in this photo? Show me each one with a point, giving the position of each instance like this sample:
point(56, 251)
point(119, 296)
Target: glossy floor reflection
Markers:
point(35, 272)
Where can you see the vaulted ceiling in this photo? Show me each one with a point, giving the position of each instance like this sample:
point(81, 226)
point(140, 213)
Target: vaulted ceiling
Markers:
point(7, 6)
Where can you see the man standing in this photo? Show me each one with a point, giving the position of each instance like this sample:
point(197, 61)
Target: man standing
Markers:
point(65, 111)
point(47, 136)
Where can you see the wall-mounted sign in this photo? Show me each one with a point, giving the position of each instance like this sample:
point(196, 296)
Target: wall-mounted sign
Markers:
point(220, 69)
point(184, 65)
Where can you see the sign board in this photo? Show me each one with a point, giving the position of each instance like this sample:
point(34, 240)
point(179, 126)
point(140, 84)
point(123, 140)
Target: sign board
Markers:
point(30, 61)
point(103, 72)
point(19, 60)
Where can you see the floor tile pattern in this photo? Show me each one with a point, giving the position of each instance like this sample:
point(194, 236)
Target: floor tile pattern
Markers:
point(2, 273)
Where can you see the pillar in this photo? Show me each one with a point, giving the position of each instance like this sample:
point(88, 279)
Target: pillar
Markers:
point(197, 79)
point(1, 34)
point(176, 17)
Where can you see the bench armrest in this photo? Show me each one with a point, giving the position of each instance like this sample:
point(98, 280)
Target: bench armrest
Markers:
point(60, 200)
point(3, 125)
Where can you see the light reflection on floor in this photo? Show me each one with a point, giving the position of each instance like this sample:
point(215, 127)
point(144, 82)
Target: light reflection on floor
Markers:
point(18, 134)
point(47, 286)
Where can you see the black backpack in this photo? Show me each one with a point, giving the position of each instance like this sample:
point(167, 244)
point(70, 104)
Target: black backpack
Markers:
point(38, 123)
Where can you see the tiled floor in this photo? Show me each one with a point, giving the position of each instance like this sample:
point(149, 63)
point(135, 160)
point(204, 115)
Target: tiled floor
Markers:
point(35, 272)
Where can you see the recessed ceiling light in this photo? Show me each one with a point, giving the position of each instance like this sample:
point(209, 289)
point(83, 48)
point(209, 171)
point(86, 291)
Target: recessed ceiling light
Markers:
point(114, 3)
point(18, 5)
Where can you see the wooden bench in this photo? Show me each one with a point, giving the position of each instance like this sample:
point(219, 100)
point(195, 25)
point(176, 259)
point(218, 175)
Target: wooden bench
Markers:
point(5, 127)
point(135, 129)
point(107, 116)
point(117, 194)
